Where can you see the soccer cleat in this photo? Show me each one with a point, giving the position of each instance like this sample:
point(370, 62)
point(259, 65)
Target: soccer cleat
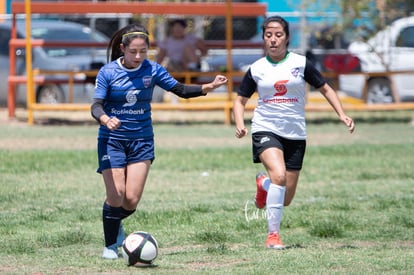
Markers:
point(273, 241)
point(261, 194)
point(121, 236)
point(109, 253)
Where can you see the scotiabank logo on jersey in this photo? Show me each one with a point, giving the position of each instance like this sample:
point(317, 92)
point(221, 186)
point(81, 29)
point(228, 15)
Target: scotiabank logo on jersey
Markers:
point(281, 90)
point(280, 87)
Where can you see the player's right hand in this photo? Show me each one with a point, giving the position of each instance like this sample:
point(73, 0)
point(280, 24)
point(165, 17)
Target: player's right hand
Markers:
point(113, 123)
point(241, 132)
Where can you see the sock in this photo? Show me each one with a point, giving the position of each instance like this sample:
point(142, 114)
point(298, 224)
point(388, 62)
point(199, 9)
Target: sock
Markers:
point(126, 213)
point(111, 219)
point(266, 184)
point(274, 202)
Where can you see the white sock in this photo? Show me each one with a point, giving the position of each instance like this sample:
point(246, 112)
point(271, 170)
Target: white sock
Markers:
point(274, 202)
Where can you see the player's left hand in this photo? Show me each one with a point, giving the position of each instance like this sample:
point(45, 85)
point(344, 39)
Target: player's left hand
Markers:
point(349, 122)
point(219, 80)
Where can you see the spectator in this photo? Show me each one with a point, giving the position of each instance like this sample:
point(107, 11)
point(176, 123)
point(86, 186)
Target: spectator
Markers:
point(178, 52)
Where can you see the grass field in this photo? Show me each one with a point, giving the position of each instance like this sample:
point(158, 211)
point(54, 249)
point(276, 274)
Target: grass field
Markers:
point(353, 212)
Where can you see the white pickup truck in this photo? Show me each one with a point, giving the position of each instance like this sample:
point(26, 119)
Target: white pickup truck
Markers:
point(391, 49)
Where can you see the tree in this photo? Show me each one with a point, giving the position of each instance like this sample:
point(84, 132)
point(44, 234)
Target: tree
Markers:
point(368, 17)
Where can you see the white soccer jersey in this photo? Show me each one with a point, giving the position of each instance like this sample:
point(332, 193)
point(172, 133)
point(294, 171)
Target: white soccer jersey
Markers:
point(281, 87)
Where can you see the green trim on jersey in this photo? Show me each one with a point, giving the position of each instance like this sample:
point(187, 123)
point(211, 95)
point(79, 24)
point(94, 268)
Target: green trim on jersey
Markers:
point(281, 61)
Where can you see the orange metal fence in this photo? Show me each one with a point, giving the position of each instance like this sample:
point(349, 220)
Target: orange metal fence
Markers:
point(227, 10)
point(217, 102)
point(223, 102)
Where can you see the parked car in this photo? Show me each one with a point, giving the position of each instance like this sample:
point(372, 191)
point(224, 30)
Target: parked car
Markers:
point(241, 59)
point(391, 49)
point(243, 54)
point(328, 50)
point(53, 58)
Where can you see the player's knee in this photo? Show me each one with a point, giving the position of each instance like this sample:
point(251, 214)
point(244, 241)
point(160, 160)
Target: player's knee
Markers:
point(279, 179)
point(131, 202)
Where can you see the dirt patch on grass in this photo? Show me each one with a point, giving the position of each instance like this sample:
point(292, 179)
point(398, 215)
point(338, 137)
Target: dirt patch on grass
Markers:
point(74, 143)
point(322, 130)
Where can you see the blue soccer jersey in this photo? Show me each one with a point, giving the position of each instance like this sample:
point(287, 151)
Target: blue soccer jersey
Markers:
point(127, 95)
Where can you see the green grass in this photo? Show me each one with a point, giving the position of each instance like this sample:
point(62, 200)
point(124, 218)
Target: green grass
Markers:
point(352, 214)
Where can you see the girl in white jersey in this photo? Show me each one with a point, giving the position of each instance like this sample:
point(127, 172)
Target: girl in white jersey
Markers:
point(278, 125)
point(122, 105)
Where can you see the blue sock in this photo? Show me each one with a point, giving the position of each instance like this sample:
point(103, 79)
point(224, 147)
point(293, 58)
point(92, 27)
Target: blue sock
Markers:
point(111, 219)
point(274, 203)
point(266, 184)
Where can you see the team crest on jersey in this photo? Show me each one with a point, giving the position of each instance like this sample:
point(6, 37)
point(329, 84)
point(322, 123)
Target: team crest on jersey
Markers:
point(147, 81)
point(295, 72)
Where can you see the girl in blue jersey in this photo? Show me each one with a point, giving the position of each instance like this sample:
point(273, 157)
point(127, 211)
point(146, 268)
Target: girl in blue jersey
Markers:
point(122, 105)
point(278, 125)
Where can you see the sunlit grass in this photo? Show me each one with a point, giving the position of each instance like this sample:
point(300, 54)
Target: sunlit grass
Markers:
point(352, 212)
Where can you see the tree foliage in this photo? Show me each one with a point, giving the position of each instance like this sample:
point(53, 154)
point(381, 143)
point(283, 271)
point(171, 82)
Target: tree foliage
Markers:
point(379, 13)
point(362, 18)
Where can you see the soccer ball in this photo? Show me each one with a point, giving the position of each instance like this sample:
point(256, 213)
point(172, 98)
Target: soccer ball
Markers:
point(139, 248)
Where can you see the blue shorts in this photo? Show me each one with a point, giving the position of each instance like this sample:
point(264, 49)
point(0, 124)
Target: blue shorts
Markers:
point(293, 150)
point(113, 153)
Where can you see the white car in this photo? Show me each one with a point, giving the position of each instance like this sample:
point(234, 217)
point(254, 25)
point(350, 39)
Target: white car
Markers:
point(391, 49)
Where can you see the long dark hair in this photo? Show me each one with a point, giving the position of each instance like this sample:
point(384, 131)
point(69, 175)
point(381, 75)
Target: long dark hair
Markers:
point(125, 36)
point(279, 20)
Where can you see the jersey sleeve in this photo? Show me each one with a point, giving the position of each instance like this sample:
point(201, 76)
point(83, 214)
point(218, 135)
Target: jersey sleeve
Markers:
point(312, 76)
point(101, 84)
point(164, 79)
point(248, 85)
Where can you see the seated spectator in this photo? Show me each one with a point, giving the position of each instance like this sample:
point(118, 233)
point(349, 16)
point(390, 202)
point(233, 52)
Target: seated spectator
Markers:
point(179, 51)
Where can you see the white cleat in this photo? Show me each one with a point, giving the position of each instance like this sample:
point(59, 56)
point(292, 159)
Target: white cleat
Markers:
point(109, 253)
